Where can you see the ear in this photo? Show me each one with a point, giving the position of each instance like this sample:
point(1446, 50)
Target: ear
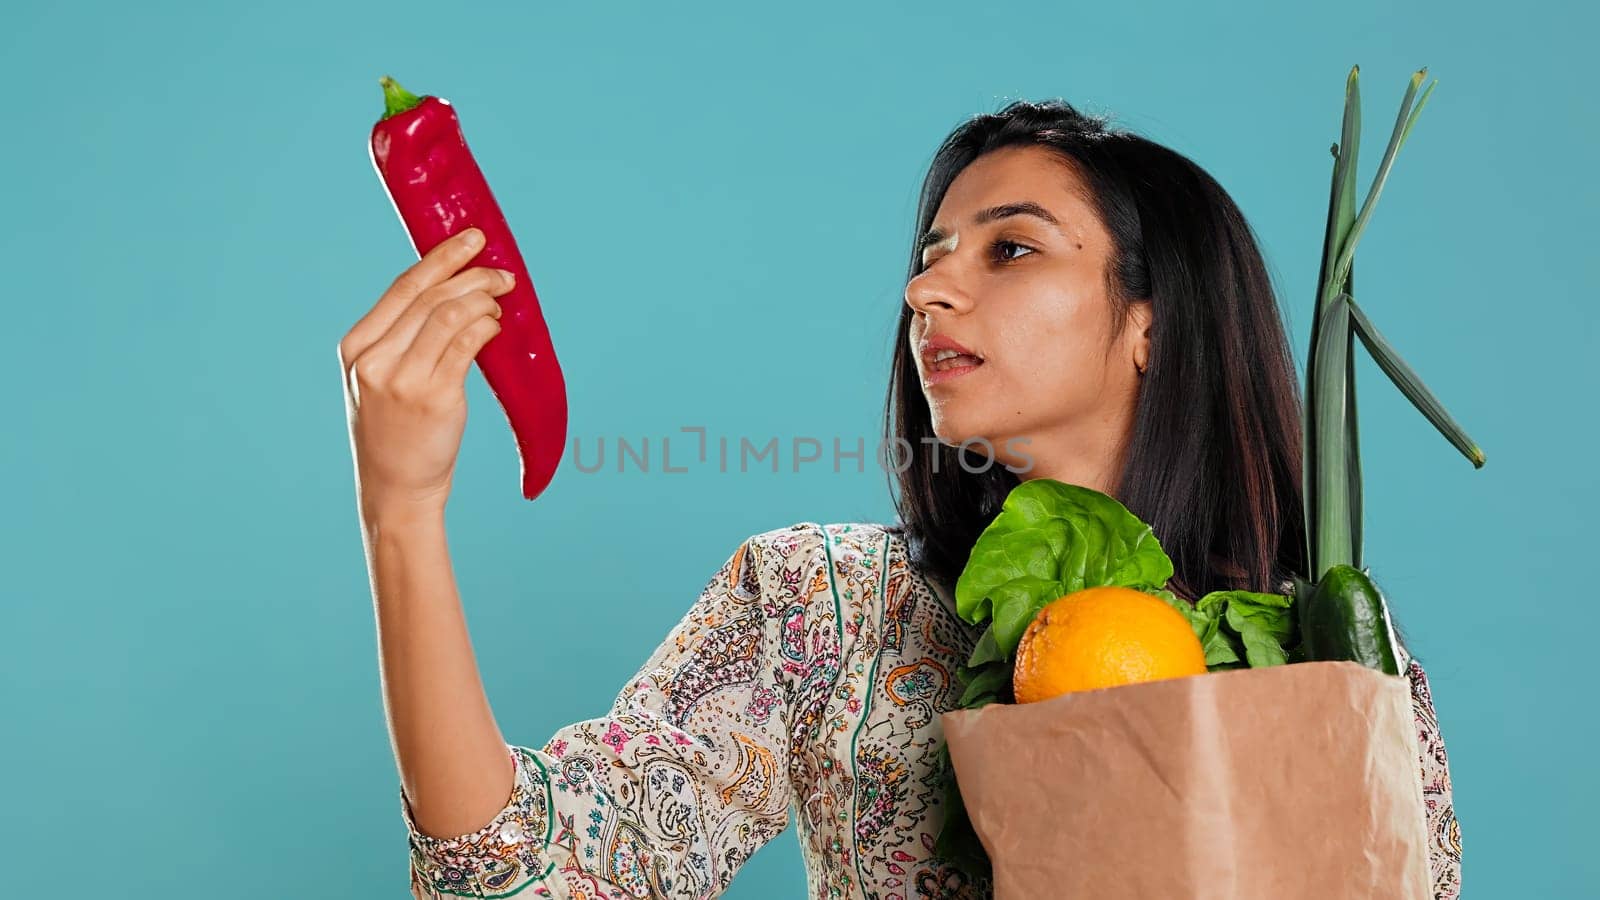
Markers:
point(1138, 334)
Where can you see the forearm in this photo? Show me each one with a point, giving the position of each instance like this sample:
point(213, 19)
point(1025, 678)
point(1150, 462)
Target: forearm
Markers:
point(450, 753)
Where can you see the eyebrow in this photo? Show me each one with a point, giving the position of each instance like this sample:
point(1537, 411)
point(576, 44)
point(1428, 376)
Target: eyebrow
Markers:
point(992, 214)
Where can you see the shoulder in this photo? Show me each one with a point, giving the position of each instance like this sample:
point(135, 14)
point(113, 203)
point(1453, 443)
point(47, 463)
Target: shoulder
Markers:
point(810, 535)
point(819, 544)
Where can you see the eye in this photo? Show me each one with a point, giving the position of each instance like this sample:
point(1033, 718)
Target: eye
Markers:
point(998, 250)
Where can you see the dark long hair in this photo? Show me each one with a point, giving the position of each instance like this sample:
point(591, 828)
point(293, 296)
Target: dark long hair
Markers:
point(1213, 460)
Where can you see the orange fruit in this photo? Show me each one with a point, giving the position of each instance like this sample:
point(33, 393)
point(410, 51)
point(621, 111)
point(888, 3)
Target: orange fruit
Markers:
point(1103, 637)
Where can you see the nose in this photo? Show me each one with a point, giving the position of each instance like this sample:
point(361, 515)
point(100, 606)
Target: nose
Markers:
point(934, 290)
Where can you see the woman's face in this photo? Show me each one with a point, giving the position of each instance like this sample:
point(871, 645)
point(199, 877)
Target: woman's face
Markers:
point(1014, 270)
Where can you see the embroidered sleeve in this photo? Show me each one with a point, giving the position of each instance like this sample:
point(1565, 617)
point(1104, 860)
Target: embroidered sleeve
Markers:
point(496, 859)
point(1444, 833)
point(670, 792)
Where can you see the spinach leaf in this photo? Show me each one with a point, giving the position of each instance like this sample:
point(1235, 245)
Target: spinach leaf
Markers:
point(986, 676)
point(1222, 651)
point(986, 650)
point(985, 685)
point(1239, 628)
point(1264, 622)
point(958, 840)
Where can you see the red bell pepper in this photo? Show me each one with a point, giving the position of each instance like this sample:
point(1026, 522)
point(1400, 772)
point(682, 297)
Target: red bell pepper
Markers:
point(438, 190)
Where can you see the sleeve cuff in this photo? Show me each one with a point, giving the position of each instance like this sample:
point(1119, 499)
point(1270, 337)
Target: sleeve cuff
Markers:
point(499, 858)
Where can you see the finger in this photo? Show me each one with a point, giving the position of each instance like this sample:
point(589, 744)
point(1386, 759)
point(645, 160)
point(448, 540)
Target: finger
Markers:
point(462, 349)
point(435, 266)
point(477, 280)
point(446, 321)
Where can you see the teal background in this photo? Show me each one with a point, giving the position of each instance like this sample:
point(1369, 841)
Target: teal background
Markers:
point(716, 204)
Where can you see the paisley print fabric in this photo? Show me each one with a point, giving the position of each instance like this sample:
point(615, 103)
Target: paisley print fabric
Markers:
point(808, 677)
point(1444, 832)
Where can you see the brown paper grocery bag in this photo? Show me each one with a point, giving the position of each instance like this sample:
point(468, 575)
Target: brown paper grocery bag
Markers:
point(1295, 781)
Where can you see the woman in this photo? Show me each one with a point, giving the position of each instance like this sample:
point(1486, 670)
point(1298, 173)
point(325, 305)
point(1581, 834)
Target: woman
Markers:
point(1083, 305)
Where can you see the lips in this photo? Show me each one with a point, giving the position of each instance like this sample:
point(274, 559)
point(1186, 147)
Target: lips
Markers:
point(939, 350)
point(944, 358)
point(940, 376)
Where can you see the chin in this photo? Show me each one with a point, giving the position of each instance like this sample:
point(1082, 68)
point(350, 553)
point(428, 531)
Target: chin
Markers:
point(953, 431)
point(984, 438)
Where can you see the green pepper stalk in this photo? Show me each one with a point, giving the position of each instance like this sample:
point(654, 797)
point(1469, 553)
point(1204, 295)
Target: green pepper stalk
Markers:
point(397, 99)
point(1343, 614)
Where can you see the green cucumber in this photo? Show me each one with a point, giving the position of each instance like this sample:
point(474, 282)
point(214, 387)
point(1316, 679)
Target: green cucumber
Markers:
point(1345, 617)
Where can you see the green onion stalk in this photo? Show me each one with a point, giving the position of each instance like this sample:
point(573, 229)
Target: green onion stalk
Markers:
point(1343, 615)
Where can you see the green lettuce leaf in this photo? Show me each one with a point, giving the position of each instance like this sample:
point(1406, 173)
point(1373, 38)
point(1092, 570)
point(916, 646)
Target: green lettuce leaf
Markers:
point(1050, 539)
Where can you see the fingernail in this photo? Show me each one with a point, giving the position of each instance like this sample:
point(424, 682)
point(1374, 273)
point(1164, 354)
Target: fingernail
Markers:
point(474, 238)
point(510, 276)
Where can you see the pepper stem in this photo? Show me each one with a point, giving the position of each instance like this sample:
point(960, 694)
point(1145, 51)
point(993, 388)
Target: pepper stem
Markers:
point(397, 99)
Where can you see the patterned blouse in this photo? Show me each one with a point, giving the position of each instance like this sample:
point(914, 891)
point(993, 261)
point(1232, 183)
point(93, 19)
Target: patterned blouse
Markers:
point(809, 674)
